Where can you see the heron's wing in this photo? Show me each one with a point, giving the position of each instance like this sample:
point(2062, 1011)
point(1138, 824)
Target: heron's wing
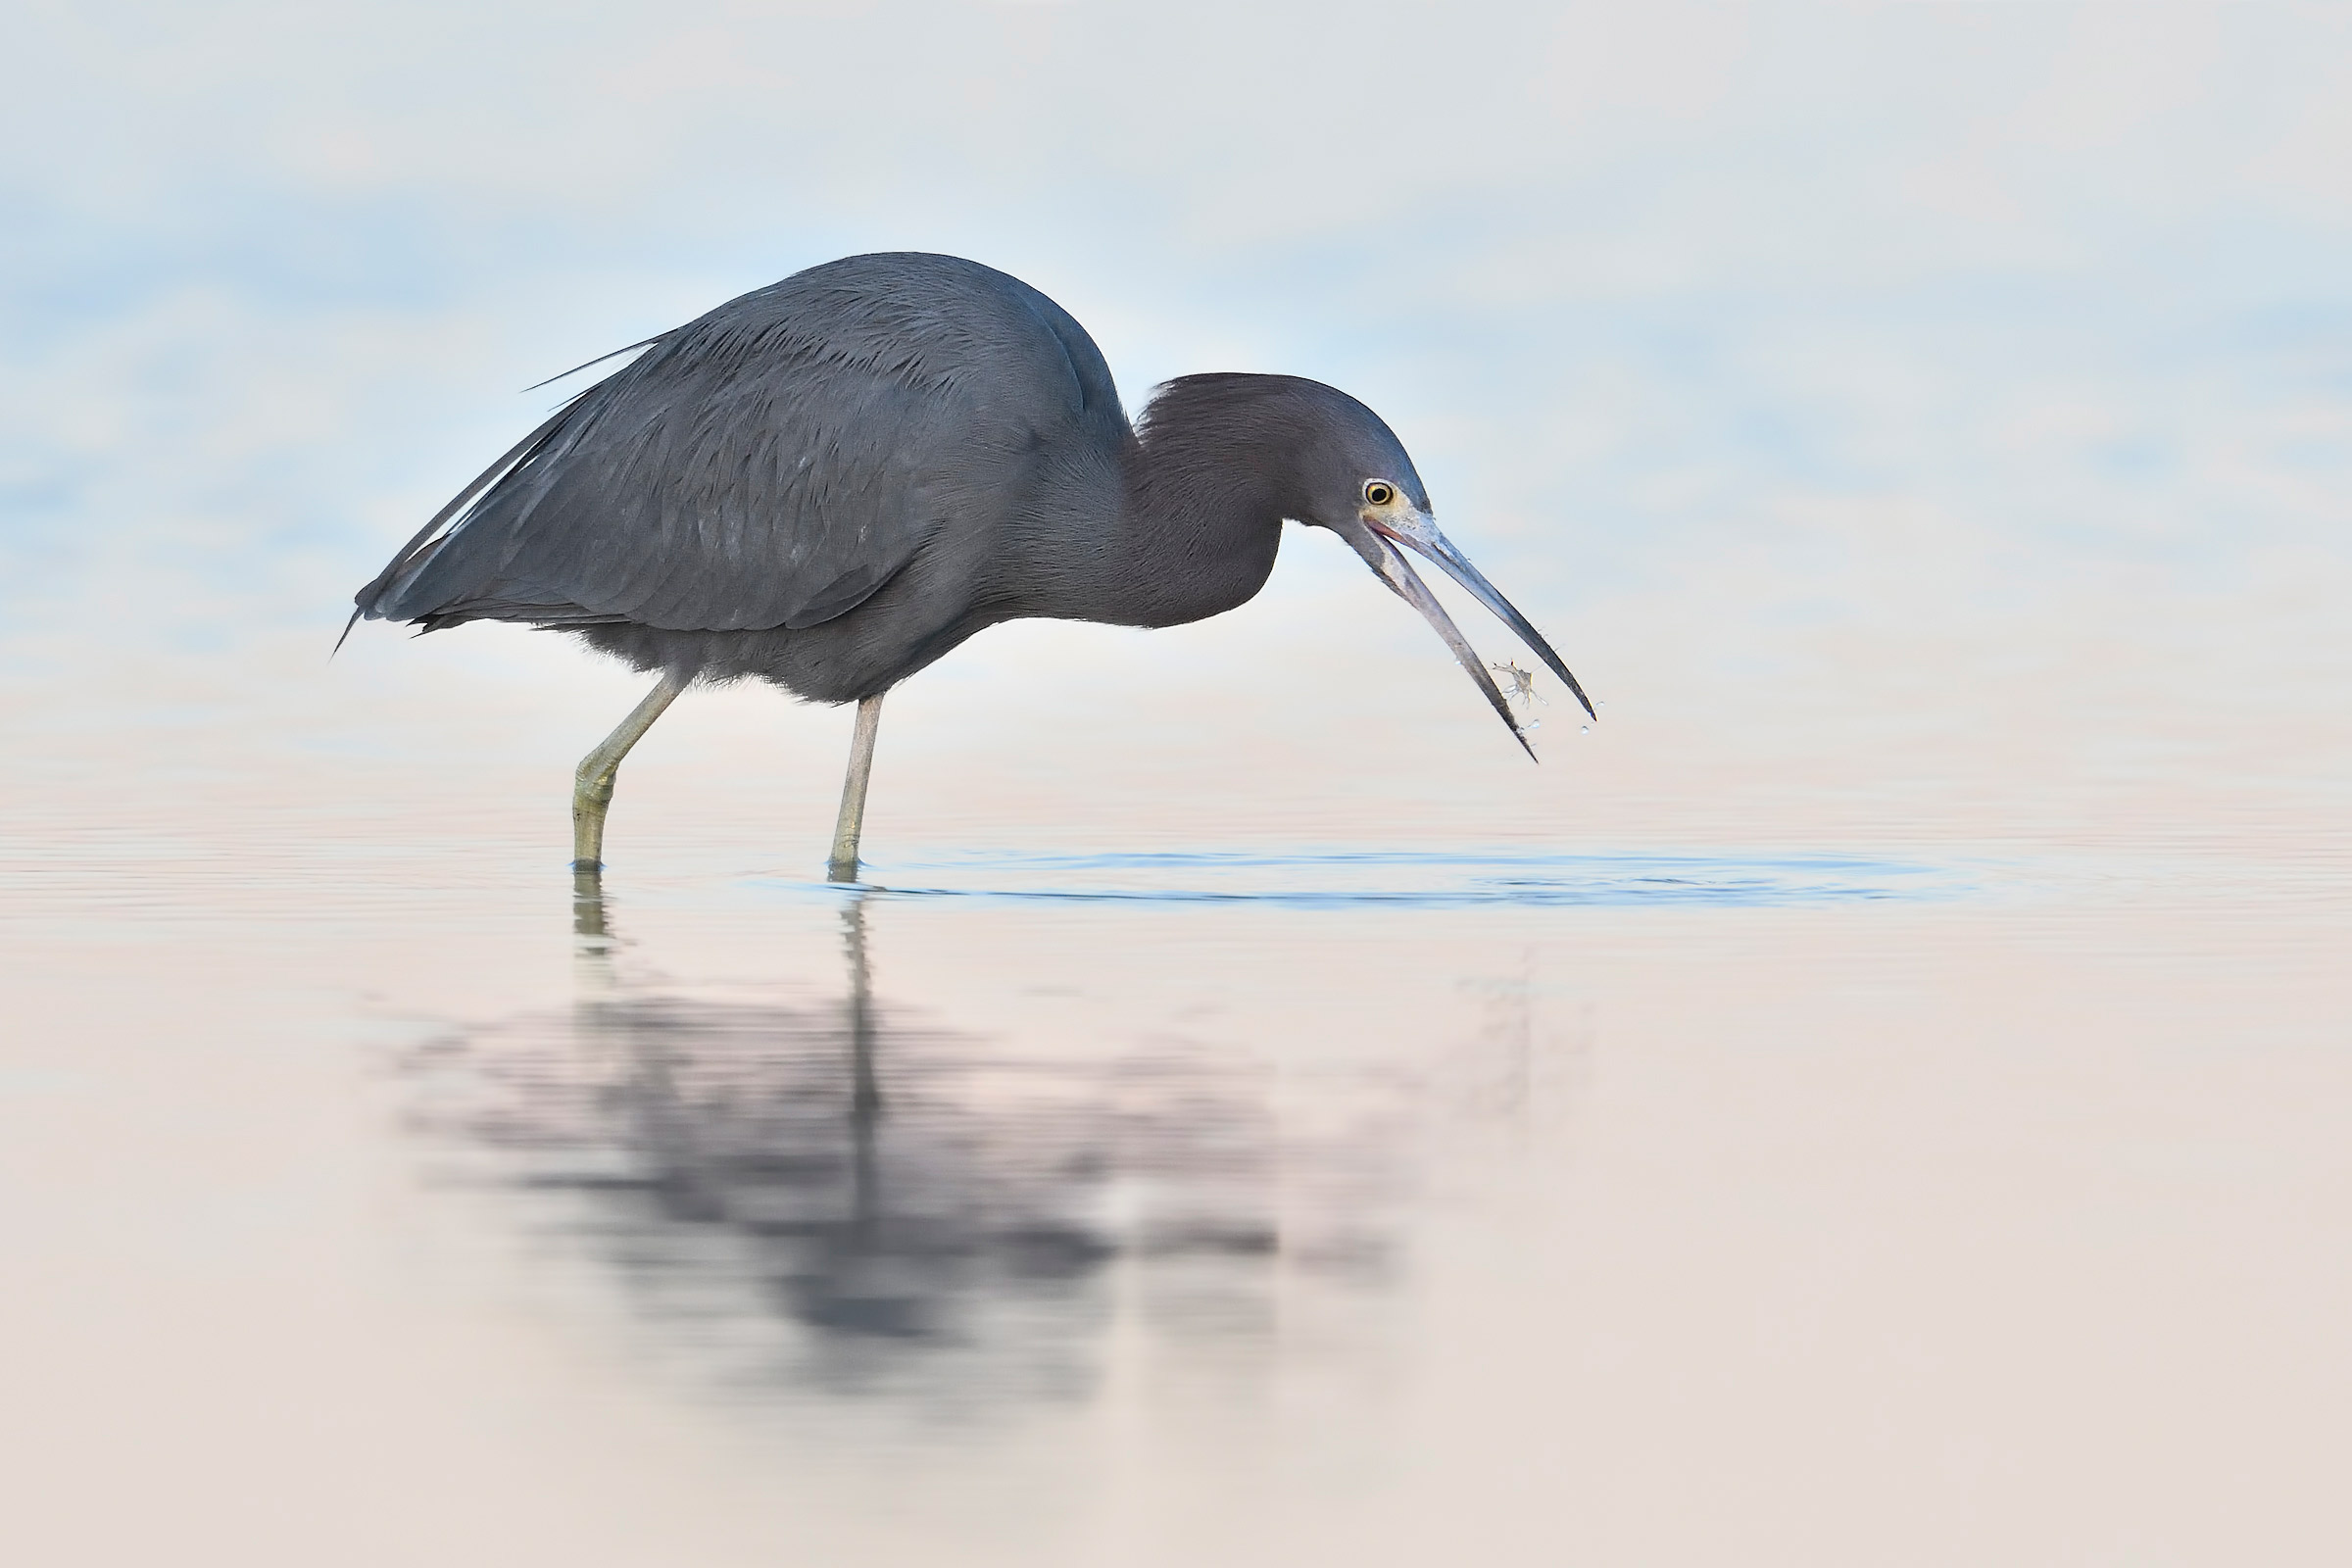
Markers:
point(773, 464)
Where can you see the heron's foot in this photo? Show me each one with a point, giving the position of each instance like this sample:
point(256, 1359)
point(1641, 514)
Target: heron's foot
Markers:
point(591, 798)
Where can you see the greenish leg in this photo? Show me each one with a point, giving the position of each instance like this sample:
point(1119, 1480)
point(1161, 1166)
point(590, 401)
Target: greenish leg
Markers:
point(593, 793)
point(844, 865)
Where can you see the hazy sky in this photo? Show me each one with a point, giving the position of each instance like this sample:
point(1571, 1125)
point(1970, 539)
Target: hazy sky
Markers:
point(1587, 245)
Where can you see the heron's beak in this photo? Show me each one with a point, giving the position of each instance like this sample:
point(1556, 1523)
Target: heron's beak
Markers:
point(1415, 530)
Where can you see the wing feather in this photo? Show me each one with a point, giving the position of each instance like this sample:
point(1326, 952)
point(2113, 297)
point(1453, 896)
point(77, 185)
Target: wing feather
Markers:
point(772, 464)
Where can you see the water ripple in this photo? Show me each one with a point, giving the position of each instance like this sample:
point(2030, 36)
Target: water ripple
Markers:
point(1341, 879)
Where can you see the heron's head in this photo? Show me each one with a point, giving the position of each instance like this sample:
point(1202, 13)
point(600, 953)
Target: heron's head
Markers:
point(1312, 452)
point(1356, 479)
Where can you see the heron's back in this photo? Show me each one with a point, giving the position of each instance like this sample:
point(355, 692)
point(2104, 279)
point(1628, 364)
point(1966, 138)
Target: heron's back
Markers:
point(864, 436)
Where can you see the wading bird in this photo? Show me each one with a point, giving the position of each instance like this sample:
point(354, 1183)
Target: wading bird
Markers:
point(832, 482)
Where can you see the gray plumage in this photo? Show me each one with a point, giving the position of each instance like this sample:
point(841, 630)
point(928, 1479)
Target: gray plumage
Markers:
point(832, 482)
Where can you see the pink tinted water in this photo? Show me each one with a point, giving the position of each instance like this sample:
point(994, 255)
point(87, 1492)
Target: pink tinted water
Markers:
point(1832, 1112)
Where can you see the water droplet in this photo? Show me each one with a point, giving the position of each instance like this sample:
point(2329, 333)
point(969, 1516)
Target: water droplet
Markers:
point(1536, 724)
point(1584, 729)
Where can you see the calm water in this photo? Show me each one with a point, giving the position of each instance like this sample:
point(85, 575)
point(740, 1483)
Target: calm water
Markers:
point(1879, 1097)
point(371, 1193)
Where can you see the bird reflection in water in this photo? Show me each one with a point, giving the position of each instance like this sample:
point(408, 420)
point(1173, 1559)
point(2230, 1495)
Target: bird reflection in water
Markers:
point(844, 1198)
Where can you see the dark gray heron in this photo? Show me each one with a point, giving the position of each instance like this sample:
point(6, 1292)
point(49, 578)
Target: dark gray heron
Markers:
point(830, 483)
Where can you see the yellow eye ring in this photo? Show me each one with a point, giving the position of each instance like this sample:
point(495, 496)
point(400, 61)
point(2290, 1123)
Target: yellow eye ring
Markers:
point(1379, 492)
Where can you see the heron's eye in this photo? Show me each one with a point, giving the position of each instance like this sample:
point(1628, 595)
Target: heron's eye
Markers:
point(1379, 492)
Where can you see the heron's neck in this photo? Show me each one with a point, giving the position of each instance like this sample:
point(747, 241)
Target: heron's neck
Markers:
point(1199, 522)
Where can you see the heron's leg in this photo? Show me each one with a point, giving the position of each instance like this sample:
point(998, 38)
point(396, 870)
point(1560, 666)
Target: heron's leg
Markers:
point(593, 792)
point(844, 866)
